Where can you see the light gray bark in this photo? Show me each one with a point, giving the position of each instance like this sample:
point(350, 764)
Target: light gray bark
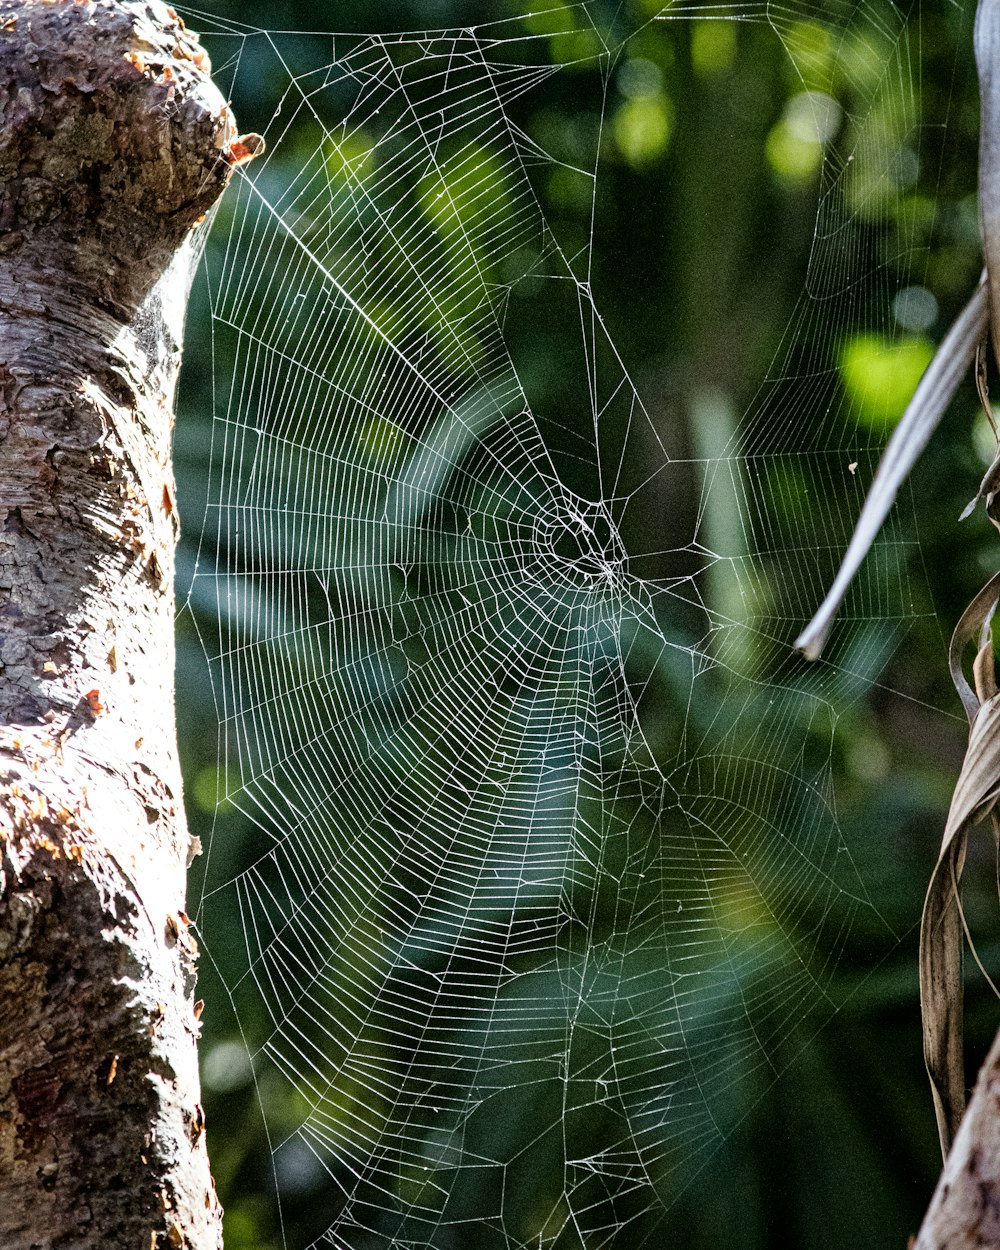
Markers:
point(113, 146)
point(965, 1211)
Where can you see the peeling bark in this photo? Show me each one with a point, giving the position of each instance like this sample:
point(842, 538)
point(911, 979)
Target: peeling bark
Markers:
point(113, 146)
point(965, 1211)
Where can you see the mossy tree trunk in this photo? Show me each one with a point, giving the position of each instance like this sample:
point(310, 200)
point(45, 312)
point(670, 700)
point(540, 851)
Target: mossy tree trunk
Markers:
point(113, 146)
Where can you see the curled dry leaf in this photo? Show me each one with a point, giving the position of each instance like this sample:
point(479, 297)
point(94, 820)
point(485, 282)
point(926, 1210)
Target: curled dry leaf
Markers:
point(973, 621)
point(941, 925)
point(941, 998)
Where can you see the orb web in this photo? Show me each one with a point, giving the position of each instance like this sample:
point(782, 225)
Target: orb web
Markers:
point(543, 859)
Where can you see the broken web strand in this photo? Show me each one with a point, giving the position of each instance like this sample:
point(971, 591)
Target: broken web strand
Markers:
point(479, 885)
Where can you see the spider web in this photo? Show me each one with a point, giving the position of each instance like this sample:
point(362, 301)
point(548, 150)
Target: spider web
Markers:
point(544, 857)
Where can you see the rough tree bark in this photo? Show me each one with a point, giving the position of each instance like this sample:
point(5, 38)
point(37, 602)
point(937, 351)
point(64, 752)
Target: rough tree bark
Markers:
point(965, 1211)
point(113, 146)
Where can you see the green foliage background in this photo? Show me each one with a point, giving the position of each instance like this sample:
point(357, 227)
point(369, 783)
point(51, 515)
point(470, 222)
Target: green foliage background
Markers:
point(704, 226)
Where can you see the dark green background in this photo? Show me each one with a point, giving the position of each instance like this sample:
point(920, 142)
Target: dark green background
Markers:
point(702, 241)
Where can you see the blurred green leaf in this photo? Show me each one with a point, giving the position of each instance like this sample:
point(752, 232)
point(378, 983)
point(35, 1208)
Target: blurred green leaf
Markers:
point(881, 374)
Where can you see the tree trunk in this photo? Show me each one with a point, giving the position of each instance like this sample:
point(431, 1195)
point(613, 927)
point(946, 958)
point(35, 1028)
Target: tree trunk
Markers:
point(113, 146)
point(965, 1211)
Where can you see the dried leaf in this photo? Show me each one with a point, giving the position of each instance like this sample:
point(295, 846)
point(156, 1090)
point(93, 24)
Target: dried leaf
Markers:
point(941, 998)
point(983, 386)
point(987, 489)
point(972, 622)
point(921, 418)
point(942, 923)
point(979, 781)
point(985, 670)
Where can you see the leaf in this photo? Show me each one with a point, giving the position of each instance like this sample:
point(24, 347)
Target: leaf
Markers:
point(973, 620)
point(942, 923)
point(941, 999)
point(921, 418)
